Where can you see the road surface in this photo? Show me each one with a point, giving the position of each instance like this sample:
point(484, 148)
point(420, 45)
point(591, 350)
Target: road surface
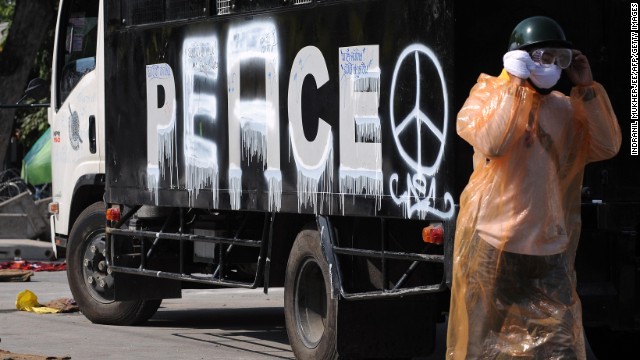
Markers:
point(204, 324)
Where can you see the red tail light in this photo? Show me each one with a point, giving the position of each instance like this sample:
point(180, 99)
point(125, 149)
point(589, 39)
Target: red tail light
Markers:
point(113, 214)
point(433, 234)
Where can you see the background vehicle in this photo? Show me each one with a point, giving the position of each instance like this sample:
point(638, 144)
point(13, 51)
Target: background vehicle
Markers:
point(304, 144)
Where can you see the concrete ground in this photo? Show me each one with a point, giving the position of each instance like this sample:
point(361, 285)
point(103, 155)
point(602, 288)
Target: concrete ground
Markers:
point(205, 324)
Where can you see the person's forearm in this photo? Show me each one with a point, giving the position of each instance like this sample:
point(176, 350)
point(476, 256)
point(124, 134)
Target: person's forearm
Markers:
point(591, 102)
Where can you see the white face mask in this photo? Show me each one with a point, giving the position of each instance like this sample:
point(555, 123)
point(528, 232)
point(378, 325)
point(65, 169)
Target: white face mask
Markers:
point(545, 76)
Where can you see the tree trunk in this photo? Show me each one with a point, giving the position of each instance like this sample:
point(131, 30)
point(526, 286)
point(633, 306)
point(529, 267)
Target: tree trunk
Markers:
point(31, 21)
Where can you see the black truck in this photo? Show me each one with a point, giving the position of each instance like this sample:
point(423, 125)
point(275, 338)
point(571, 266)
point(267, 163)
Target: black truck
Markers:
point(310, 145)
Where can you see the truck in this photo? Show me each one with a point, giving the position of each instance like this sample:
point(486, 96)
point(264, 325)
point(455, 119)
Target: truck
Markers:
point(304, 144)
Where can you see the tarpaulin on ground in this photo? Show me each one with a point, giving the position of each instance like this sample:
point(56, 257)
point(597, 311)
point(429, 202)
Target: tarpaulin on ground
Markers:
point(34, 265)
point(28, 301)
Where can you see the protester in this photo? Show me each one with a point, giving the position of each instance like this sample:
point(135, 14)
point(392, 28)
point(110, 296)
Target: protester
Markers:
point(514, 286)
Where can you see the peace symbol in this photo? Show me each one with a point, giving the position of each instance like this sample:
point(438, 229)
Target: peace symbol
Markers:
point(416, 116)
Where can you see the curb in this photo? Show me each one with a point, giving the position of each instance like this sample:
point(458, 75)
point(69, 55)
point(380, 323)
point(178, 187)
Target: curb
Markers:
point(25, 249)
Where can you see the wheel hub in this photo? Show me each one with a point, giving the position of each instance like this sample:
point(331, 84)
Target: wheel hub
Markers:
point(98, 278)
point(310, 303)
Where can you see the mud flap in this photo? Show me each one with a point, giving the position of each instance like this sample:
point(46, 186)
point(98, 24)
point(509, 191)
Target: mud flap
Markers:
point(137, 287)
point(384, 328)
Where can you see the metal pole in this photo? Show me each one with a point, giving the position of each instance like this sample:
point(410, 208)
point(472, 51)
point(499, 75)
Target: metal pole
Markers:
point(23, 106)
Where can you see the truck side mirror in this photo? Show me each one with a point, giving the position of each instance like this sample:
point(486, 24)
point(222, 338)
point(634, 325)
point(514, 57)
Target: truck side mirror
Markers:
point(37, 89)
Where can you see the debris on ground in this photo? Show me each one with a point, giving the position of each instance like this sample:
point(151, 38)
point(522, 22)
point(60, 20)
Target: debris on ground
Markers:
point(65, 305)
point(6, 355)
point(28, 301)
point(34, 265)
point(15, 275)
point(22, 270)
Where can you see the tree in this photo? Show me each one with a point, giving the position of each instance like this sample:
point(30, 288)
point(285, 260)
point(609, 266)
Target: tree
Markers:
point(31, 22)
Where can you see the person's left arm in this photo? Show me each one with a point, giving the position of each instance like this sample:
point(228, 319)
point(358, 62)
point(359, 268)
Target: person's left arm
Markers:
point(591, 103)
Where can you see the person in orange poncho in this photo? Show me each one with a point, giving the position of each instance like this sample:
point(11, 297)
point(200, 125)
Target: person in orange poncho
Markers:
point(514, 289)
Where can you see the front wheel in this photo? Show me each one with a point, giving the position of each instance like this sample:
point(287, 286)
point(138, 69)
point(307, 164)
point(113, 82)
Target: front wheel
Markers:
point(90, 280)
point(310, 313)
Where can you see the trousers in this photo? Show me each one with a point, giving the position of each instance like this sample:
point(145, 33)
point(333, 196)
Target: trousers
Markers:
point(522, 306)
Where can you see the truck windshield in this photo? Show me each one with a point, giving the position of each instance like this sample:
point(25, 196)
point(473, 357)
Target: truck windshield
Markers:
point(77, 44)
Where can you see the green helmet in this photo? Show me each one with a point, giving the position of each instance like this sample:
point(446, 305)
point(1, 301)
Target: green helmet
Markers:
point(537, 31)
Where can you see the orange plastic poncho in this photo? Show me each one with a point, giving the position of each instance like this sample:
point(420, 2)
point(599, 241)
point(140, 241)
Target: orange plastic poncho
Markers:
point(514, 291)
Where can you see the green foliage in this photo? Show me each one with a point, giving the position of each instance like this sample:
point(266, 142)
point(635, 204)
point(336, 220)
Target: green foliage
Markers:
point(6, 10)
point(32, 125)
point(6, 14)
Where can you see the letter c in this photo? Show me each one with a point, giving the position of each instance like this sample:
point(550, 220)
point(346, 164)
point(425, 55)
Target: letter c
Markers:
point(308, 61)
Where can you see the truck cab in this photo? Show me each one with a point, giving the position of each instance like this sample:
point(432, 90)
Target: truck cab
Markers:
point(76, 114)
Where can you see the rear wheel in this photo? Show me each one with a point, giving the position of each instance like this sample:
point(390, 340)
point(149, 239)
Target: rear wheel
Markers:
point(310, 313)
point(91, 282)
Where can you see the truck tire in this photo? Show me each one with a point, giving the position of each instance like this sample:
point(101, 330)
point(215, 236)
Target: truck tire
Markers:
point(91, 284)
point(310, 313)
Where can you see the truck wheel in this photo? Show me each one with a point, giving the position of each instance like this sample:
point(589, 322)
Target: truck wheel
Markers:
point(310, 313)
point(90, 282)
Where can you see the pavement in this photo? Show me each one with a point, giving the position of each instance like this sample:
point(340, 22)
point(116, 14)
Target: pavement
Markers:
point(36, 250)
point(25, 249)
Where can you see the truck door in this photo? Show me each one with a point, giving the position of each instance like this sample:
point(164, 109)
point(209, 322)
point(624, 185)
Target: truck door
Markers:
point(74, 116)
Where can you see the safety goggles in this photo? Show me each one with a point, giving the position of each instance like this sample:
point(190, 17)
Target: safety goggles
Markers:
point(549, 56)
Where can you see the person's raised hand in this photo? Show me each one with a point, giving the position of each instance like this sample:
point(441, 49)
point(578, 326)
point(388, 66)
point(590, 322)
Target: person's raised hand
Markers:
point(517, 63)
point(579, 72)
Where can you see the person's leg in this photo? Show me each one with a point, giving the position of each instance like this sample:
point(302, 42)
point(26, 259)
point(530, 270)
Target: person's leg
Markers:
point(554, 318)
point(484, 317)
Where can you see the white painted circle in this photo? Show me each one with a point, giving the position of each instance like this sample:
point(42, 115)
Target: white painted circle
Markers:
point(416, 115)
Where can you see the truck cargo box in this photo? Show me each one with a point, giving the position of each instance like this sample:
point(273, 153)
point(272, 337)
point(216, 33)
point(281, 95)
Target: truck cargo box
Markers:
point(337, 110)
